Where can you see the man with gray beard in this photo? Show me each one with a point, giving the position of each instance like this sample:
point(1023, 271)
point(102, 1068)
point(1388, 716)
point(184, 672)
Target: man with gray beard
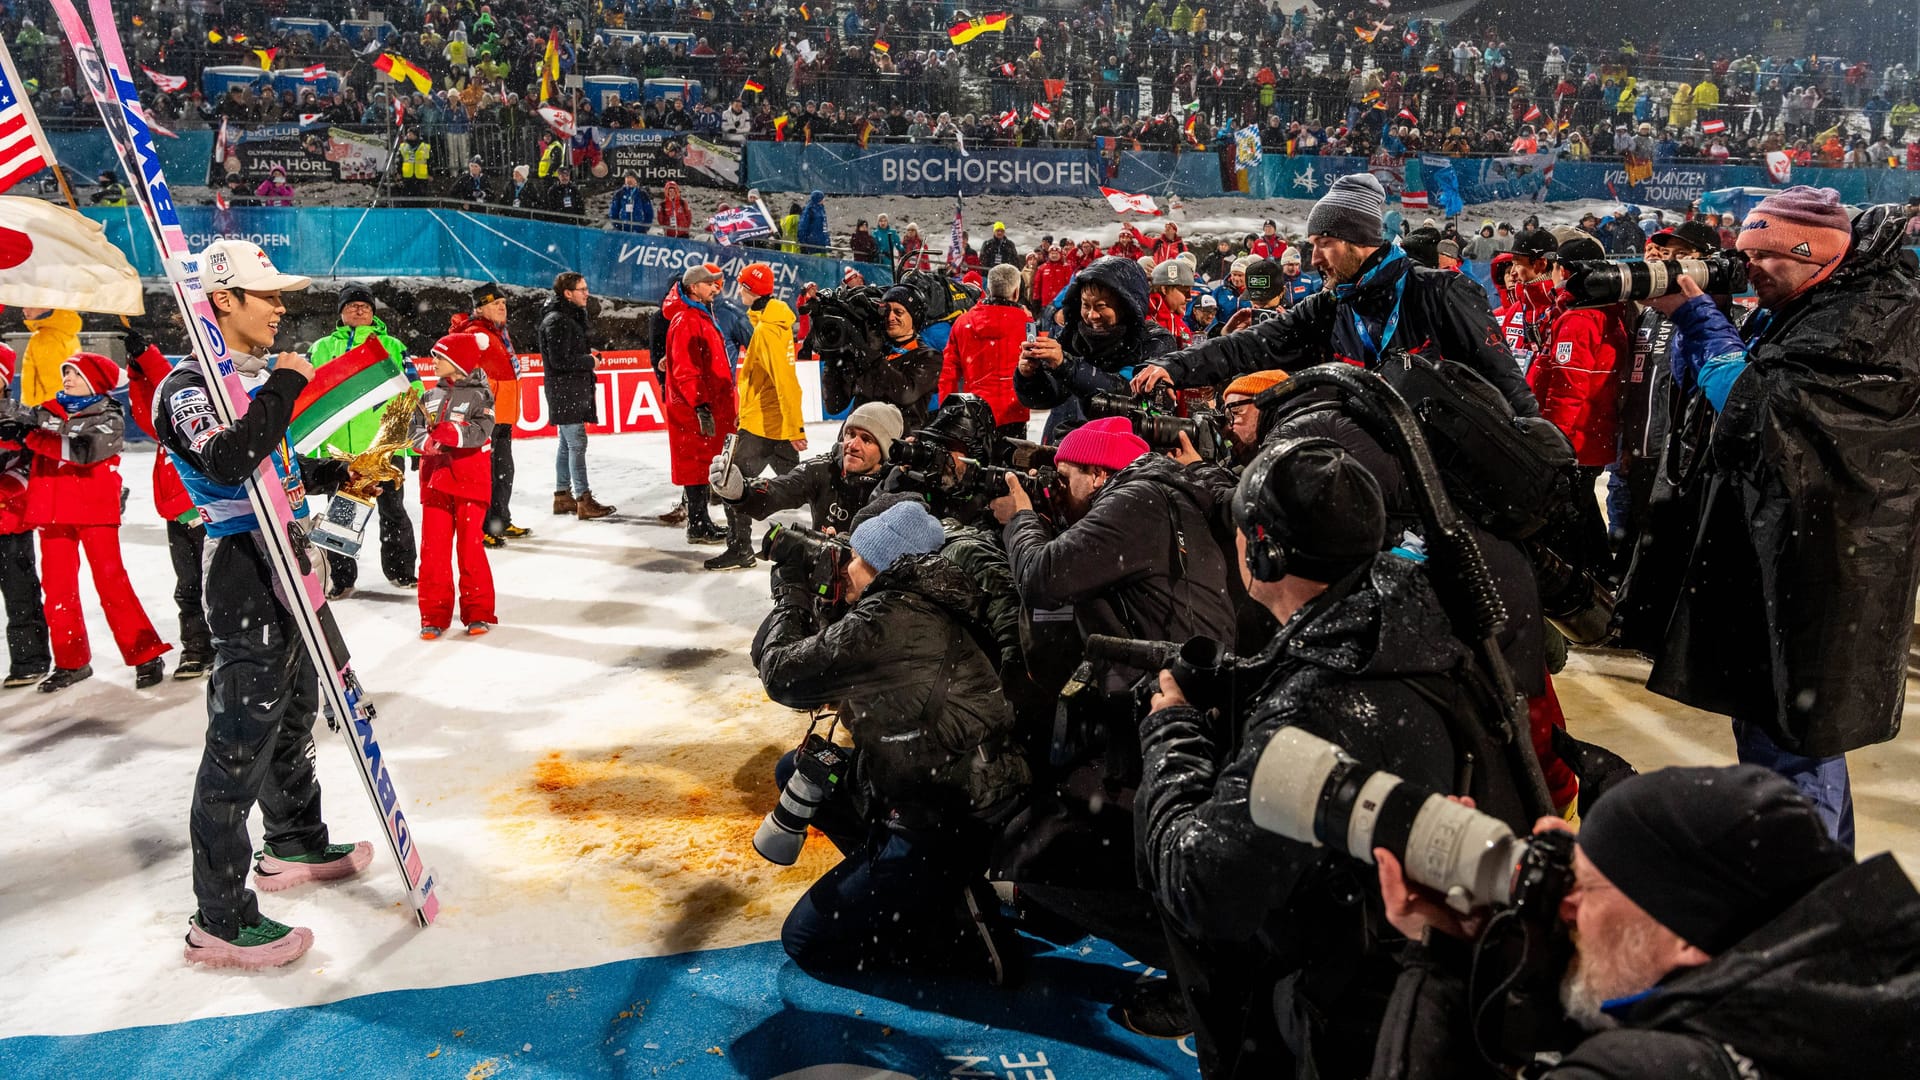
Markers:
point(1718, 932)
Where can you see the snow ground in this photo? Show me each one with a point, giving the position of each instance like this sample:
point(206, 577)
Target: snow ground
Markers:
point(585, 780)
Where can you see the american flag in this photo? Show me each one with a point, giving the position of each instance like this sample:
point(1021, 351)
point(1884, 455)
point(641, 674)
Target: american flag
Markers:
point(23, 149)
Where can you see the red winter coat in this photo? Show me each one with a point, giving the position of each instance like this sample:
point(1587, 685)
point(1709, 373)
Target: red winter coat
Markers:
point(16, 465)
point(697, 374)
point(1526, 321)
point(1160, 314)
point(1050, 280)
point(982, 351)
point(674, 219)
point(1264, 248)
point(170, 496)
point(1576, 378)
point(1165, 249)
point(76, 465)
point(453, 434)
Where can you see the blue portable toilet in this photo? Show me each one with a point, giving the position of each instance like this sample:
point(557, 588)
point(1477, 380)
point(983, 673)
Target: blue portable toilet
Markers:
point(290, 80)
point(216, 81)
point(361, 31)
point(318, 29)
point(604, 90)
point(664, 88)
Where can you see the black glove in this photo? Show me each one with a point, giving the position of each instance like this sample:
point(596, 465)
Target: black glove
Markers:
point(705, 415)
point(136, 343)
point(325, 477)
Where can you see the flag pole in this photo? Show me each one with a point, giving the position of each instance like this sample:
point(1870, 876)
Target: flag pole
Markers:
point(33, 125)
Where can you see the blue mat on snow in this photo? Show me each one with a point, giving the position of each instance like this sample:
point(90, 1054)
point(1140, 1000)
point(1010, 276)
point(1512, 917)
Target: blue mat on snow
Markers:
point(740, 1012)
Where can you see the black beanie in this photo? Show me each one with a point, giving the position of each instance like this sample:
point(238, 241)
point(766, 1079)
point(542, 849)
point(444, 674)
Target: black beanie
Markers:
point(1323, 507)
point(487, 294)
point(1712, 854)
point(907, 297)
point(355, 294)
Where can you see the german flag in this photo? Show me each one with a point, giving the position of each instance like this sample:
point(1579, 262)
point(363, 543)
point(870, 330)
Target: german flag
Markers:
point(550, 65)
point(806, 14)
point(266, 58)
point(961, 33)
point(752, 87)
point(881, 46)
point(401, 71)
point(780, 128)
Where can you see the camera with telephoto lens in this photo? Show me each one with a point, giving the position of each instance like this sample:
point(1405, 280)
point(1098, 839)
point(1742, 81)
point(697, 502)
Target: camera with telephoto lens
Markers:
point(820, 766)
point(1597, 282)
point(1153, 419)
point(1307, 789)
point(821, 559)
point(847, 325)
point(1201, 666)
point(929, 458)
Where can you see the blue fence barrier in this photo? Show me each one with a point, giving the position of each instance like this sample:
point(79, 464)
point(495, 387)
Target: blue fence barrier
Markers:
point(919, 169)
point(322, 241)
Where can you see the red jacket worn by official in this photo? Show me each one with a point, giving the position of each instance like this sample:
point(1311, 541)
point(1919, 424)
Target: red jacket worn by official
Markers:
point(982, 352)
point(697, 374)
point(1576, 378)
point(1050, 280)
point(144, 373)
point(1526, 321)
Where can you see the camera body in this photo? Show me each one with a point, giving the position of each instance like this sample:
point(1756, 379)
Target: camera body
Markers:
point(821, 560)
point(1156, 421)
point(848, 325)
point(1594, 283)
point(1201, 666)
point(820, 767)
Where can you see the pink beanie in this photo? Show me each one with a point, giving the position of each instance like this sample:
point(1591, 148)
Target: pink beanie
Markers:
point(1108, 443)
point(1805, 223)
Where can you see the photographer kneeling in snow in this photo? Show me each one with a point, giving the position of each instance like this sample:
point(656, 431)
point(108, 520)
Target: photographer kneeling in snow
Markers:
point(934, 772)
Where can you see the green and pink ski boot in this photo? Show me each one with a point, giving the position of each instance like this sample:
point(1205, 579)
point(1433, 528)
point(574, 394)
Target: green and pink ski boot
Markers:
point(265, 944)
point(272, 873)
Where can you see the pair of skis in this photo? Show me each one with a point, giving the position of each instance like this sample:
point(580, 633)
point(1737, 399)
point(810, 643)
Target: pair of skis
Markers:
point(107, 74)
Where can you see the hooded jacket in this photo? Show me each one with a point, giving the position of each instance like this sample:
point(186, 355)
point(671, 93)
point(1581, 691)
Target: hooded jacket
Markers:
point(1813, 489)
point(1829, 988)
point(357, 435)
point(1277, 924)
point(1091, 364)
point(983, 352)
point(1576, 379)
point(698, 375)
point(1440, 314)
point(566, 360)
point(907, 672)
point(56, 336)
point(769, 386)
point(453, 432)
point(813, 222)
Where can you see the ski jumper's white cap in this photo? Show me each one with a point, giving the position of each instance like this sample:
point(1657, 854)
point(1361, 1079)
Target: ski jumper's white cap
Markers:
point(240, 264)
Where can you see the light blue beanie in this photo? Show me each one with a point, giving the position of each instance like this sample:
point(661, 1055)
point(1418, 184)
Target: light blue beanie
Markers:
point(902, 530)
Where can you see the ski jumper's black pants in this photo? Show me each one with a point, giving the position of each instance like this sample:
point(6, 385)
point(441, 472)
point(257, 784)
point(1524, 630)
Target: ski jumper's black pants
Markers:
point(500, 514)
point(28, 650)
point(261, 701)
point(186, 544)
point(399, 557)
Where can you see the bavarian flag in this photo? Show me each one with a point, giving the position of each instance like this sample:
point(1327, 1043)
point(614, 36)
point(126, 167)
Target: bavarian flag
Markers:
point(961, 33)
point(401, 71)
point(364, 377)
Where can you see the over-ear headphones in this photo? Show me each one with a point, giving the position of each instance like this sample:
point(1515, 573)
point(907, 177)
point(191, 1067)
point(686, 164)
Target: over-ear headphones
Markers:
point(1258, 510)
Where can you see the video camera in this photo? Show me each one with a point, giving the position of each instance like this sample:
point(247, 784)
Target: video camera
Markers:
point(848, 325)
point(1309, 790)
point(1596, 282)
point(1153, 419)
point(820, 559)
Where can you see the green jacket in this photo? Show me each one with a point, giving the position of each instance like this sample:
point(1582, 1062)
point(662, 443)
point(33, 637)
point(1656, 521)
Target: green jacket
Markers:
point(357, 435)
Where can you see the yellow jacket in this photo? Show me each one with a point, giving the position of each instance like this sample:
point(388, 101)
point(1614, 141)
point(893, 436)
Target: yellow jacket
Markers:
point(55, 338)
point(1706, 96)
point(769, 387)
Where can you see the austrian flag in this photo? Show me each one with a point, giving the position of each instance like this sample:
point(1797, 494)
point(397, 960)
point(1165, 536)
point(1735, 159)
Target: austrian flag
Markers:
point(1713, 127)
point(168, 84)
point(1041, 112)
point(1123, 202)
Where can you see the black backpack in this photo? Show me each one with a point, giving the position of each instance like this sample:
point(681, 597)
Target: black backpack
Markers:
point(942, 298)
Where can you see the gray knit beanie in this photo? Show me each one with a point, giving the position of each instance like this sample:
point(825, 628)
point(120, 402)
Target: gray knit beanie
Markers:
point(1354, 209)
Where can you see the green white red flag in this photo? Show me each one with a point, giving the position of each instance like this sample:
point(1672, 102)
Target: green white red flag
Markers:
point(364, 377)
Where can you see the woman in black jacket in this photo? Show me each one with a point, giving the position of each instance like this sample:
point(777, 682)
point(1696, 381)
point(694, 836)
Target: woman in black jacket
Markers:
point(567, 361)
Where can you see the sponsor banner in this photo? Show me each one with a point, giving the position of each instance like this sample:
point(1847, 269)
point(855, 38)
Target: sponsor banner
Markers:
point(315, 240)
point(845, 168)
point(657, 156)
point(304, 153)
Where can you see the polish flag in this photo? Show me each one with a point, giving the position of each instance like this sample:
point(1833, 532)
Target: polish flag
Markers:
point(1123, 202)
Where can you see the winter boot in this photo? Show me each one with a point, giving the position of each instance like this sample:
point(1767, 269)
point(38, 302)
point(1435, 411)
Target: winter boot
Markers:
point(271, 873)
point(265, 944)
point(734, 558)
point(739, 553)
point(563, 503)
point(700, 527)
point(490, 541)
point(479, 629)
point(149, 673)
point(192, 665)
point(431, 633)
point(65, 677)
point(1154, 1008)
point(20, 677)
point(515, 532)
point(590, 508)
point(677, 515)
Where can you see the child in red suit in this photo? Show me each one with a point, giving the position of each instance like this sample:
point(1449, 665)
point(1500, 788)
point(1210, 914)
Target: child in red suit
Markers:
point(27, 655)
point(73, 498)
point(453, 432)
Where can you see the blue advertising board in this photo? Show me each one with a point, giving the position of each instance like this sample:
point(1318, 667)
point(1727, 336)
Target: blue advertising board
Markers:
point(847, 169)
point(335, 242)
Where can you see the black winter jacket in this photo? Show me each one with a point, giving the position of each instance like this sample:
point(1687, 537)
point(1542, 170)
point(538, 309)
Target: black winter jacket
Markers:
point(1830, 988)
point(907, 380)
point(566, 358)
point(1092, 365)
point(1262, 910)
point(1442, 314)
point(1799, 589)
point(911, 683)
point(1142, 563)
point(820, 484)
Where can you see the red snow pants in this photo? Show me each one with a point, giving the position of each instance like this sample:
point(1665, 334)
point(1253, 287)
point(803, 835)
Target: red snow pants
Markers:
point(60, 547)
point(451, 527)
